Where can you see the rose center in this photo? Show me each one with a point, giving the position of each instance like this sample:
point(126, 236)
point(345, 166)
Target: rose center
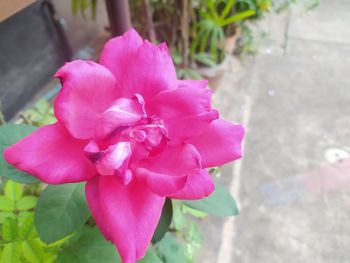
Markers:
point(144, 138)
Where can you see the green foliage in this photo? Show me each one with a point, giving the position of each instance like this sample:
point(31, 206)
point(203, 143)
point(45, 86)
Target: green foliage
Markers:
point(151, 257)
point(219, 203)
point(164, 222)
point(61, 209)
point(209, 30)
point(19, 239)
point(14, 204)
point(83, 5)
point(171, 249)
point(89, 247)
point(10, 134)
point(41, 114)
point(13, 191)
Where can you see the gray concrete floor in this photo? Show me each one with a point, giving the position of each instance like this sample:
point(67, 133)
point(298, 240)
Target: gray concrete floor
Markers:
point(293, 184)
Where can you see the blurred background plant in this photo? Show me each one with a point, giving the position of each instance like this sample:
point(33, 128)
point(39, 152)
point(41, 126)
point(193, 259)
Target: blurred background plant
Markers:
point(200, 34)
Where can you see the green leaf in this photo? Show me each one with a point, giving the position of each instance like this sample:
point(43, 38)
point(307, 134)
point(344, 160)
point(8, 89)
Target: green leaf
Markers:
point(60, 210)
point(164, 222)
point(11, 253)
point(13, 190)
point(227, 9)
point(9, 230)
point(26, 203)
point(171, 250)
point(91, 247)
point(33, 251)
point(10, 134)
point(179, 219)
point(194, 242)
point(238, 17)
point(219, 203)
point(27, 227)
point(4, 215)
point(6, 204)
point(194, 212)
point(150, 257)
point(75, 6)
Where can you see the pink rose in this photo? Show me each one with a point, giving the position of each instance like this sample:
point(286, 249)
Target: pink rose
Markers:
point(135, 133)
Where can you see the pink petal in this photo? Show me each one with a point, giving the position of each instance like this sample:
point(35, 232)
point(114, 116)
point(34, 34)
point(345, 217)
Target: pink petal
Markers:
point(88, 89)
point(186, 112)
point(191, 83)
point(150, 72)
point(131, 213)
point(220, 143)
point(198, 185)
point(52, 155)
point(115, 161)
point(119, 52)
point(93, 199)
point(167, 172)
point(123, 112)
point(188, 127)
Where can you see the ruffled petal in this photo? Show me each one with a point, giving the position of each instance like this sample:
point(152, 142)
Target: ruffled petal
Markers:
point(88, 89)
point(123, 112)
point(150, 72)
point(119, 52)
point(92, 193)
point(198, 185)
point(188, 127)
point(131, 214)
point(167, 172)
point(220, 143)
point(186, 112)
point(52, 155)
point(115, 161)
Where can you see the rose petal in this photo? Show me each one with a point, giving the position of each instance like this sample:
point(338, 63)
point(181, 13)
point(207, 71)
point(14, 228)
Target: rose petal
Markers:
point(93, 199)
point(131, 213)
point(186, 112)
point(167, 172)
point(115, 161)
point(220, 143)
point(150, 72)
point(119, 52)
point(123, 112)
point(88, 89)
point(198, 185)
point(188, 127)
point(52, 155)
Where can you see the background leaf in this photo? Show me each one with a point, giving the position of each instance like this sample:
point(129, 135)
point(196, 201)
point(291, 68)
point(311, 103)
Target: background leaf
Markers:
point(6, 204)
point(90, 247)
point(26, 203)
point(219, 203)
point(11, 253)
point(10, 134)
point(164, 222)
point(171, 250)
point(9, 230)
point(33, 251)
point(27, 227)
point(150, 257)
point(13, 190)
point(60, 210)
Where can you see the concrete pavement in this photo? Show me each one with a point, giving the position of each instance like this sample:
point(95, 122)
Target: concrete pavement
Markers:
point(293, 184)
